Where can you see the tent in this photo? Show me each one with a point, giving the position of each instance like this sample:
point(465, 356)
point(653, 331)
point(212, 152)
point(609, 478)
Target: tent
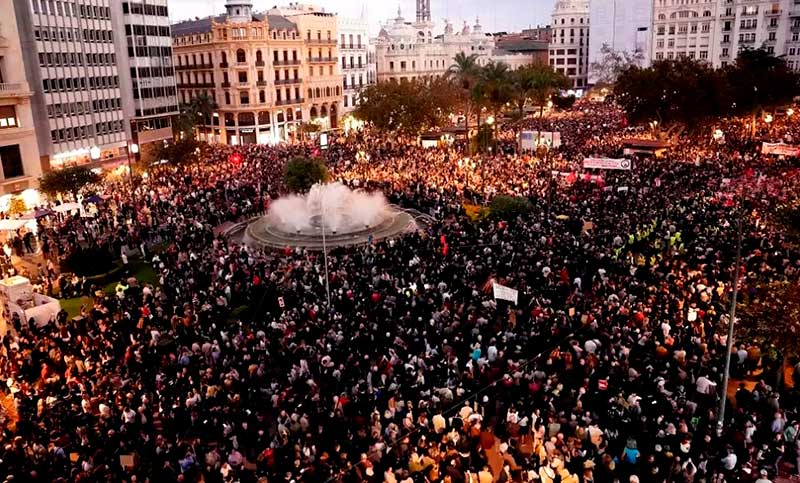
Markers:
point(67, 207)
point(12, 225)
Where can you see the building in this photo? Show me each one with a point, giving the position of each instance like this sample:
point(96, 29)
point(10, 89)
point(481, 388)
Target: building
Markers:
point(623, 26)
point(266, 73)
point(687, 30)
point(410, 50)
point(569, 43)
point(70, 62)
point(20, 165)
point(147, 77)
point(357, 62)
point(527, 43)
point(753, 24)
point(540, 33)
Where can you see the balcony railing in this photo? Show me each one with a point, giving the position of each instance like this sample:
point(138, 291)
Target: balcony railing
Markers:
point(194, 66)
point(321, 41)
point(226, 84)
point(319, 60)
point(773, 13)
point(286, 82)
point(286, 102)
point(286, 62)
point(10, 88)
point(224, 65)
point(261, 83)
point(195, 85)
point(259, 63)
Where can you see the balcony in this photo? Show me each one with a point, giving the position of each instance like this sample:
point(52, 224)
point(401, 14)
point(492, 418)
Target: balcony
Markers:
point(260, 63)
point(773, 13)
point(223, 65)
point(194, 67)
point(321, 41)
point(197, 85)
point(287, 102)
point(287, 82)
point(286, 62)
point(226, 84)
point(14, 89)
point(323, 60)
point(727, 15)
point(261, 83)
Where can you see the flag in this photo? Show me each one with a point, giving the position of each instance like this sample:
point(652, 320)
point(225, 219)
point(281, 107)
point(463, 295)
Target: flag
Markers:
point(502, 292)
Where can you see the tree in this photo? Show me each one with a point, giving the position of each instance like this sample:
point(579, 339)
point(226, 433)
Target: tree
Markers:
point(200, 108)
point(772, 316)
point(67, 181)
point(682, 91)
point(535, 84)
point(613, 63)
point(180, 151)
point(509, 207)
point(301, 174)
point(496, 78)
point(759, 80)
point(465, 72)
point(406, 107)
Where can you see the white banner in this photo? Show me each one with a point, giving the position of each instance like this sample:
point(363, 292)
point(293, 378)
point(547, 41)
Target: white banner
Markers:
point(530, 140)
point(505, 293)
point(606, 163)
point(780, 149)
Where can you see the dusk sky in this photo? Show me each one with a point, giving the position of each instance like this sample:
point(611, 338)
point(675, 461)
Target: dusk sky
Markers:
point(497, 15)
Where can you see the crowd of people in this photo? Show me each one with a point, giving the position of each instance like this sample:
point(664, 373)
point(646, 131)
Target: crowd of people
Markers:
point(232, 367)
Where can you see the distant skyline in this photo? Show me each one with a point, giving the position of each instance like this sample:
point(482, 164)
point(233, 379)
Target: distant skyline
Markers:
point(495, 16)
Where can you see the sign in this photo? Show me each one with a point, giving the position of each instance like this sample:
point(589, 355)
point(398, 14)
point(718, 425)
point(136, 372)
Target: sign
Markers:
point(602, 384)
point(607, 163)
point(530, 140)
point(323, 140)
point(281, 303)
point(780, 149)
point(502, 292)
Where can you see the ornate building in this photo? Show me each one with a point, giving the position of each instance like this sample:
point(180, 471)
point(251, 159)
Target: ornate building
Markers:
point(357, 61)
point(569, 44)
point(267, 73)
point(410, 50)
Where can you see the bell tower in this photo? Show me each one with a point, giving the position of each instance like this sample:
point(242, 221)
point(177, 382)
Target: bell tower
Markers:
point(239, 11)
point(423, 11)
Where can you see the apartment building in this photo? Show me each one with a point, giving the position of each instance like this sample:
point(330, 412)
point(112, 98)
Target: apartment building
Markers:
point(147, 77)
point(70, 61)
point(357, 62)
point(20, 165)
point(623, 26)
point(266, 73)
point(569, 42)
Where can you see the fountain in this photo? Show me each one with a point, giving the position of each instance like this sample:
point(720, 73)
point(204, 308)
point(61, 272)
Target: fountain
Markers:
point(332, 211)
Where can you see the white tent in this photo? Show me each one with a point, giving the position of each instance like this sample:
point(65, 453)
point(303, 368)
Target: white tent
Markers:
point(67, 207)
point(12, 225)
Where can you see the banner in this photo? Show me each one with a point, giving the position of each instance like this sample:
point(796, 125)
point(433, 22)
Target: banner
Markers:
point(606, 163)
point(505, 293)
point(780, 149)
point(530, 140)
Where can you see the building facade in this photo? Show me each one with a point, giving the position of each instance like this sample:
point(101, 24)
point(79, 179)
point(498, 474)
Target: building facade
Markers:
point(266, 73)
point(410, 50)
point(687, 30)
point(71, 65)
point(357, 62)
point(569, 42)
point(20, 165)
point(147, 77)
point(753, 24)
point(623, 26)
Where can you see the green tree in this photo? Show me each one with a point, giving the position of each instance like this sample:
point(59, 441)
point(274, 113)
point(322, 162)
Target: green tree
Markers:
point(69, 180)
point(406, 107)
point(181, 151)
point(200, 110)
point(466, 73)
point(535, 84)
point(496, 78)
point(682, 92)
point(772, 317)
point(758, 81)
point(506, 207)
point(301, 174)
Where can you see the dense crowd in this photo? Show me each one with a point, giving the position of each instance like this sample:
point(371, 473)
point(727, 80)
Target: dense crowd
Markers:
point(233, 368)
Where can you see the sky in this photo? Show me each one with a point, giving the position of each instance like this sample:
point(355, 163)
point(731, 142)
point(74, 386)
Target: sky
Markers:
point(495, 15)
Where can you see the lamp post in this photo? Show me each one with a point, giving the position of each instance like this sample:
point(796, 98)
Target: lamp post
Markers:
point(133, 148)
point(729, 343)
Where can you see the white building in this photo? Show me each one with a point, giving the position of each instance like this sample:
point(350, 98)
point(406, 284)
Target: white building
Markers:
point(357, 63)
point(754, 23)
point(147, 76)
point(569, 44)
point(71, 64)
point(410, 50)
point(686, 30)
point(623, 25)
point(20, 165)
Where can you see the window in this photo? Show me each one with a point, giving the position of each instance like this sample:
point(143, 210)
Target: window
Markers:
point(241, 57)
point(11, 159)
point(8, 117)
point(243, 76)
point(244, 98)
point(262, 96)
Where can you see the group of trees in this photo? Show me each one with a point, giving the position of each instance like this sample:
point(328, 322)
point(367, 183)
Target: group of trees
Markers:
point(686, 91)
point(476, 91)
point(199, 111)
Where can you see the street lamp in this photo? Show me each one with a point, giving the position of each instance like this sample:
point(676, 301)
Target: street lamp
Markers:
point(133, 148)
point(94, 153)
point(768, 118)
point(789, 112)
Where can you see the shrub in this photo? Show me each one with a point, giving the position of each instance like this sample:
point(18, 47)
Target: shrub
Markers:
point(303, 173)
point(509, 207)
point(88, 261)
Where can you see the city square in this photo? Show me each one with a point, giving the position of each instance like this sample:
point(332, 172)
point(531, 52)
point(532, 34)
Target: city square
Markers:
point(365, 244)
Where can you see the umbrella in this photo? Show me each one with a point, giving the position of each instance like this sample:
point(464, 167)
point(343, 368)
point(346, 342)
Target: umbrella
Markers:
point(562, 217)
point(94, 199)
point(67, 207)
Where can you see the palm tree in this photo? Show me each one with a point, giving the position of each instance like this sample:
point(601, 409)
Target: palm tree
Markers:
point(200, 107)
point(497, 78)
point(535, 83)
point(466, 72)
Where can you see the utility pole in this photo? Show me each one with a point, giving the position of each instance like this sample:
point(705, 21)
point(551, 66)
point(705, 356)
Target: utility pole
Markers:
point(729, 345)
